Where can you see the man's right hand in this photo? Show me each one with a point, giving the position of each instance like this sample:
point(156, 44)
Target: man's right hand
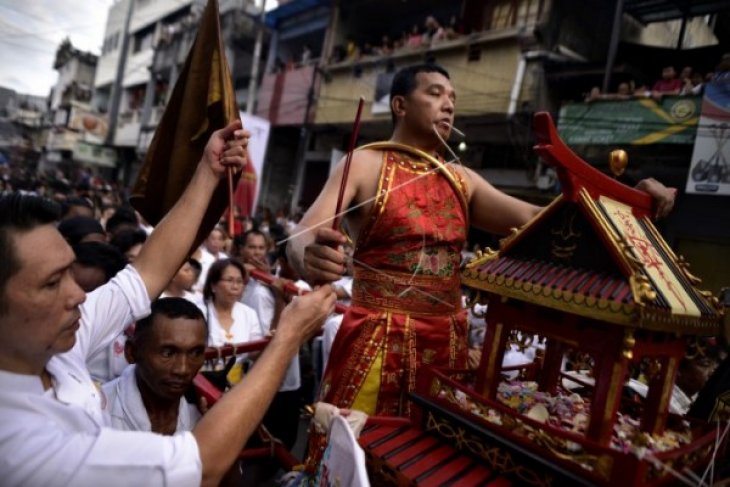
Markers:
point(324, 259)
point(305, 315)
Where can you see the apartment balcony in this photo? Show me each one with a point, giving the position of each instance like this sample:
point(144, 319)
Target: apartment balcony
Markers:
point(482, 67)
point(283, 95)
point(128, 127)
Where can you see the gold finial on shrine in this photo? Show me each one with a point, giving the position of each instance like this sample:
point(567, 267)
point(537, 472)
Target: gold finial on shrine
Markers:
point(617, 161)
point(628, 345)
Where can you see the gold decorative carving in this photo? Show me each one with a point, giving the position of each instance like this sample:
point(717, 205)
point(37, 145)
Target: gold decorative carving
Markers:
point(565, 237)
point(600, 464)
point(641, 288)
point(494, 457)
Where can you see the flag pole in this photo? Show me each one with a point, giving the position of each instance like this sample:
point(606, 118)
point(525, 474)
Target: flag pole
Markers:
point(231, 216)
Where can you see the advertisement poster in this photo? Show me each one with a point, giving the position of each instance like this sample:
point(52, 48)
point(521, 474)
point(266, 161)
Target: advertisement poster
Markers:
point(709, 171)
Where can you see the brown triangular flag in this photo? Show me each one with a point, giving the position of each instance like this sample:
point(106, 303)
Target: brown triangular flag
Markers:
point(202, 102)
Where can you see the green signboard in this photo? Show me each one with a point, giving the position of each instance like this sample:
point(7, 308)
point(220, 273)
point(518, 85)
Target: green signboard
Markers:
point(673, 120)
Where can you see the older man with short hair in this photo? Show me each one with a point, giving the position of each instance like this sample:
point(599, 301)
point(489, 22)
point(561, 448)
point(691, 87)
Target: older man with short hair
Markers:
point(52, 430)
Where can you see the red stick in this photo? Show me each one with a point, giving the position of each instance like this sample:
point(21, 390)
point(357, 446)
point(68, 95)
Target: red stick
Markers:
point(348, 160)
point(231, 216)
point(289, 287)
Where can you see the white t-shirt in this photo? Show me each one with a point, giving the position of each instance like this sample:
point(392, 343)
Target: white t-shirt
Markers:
point(261, 299)
point(245, 328)
point(59, 436)
point(123, 404)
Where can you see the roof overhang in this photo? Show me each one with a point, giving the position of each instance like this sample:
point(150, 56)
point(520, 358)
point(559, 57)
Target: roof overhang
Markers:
point(648, 11)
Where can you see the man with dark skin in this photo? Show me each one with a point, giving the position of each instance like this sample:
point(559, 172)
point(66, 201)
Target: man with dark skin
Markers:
point(406, 299)
point(166, 351)
point(252, 249)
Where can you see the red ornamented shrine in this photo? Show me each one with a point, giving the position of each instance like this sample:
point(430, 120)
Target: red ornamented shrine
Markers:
point(592, 277)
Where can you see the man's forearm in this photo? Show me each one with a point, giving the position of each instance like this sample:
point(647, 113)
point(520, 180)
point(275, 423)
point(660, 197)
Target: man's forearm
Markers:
point(223, 431)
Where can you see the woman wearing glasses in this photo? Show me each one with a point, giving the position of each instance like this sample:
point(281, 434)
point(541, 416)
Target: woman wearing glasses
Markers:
point(228, 320)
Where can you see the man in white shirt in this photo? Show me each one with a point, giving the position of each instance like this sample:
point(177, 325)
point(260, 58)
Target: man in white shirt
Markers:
point(166, 351)
point(52, 430)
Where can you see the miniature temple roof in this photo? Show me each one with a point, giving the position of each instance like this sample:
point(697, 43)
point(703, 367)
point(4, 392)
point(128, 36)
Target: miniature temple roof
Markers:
point(594, 252)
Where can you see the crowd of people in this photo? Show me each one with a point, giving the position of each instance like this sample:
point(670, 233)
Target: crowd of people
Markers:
point(430, 34)
point(689, 82)
point(116, 316)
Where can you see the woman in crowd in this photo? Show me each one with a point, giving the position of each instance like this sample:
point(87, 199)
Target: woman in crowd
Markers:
point(229, 321)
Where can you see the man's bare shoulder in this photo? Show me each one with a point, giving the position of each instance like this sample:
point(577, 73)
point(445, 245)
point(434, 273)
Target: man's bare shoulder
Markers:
point(367, 156)
point(471, 179)
point(365, 163)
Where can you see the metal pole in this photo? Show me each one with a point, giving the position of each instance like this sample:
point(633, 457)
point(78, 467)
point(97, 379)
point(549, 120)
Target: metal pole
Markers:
point(253, 82)
point(117, 86)
point(149, 96)
point(305, 134)
point(682, 30)
point(613, 46)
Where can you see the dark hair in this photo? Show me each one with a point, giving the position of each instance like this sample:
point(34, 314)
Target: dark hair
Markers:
point(245, 235)
point(171, 308)
point(75, 201)
point(20, 213)
point(76, 228)
point(195, 264)
point(215, 273)
point(102, 255)
point(404, 81)
point(127, 239)
point(122, 216)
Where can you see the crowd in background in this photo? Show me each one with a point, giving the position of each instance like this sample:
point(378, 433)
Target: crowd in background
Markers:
point(689, 82)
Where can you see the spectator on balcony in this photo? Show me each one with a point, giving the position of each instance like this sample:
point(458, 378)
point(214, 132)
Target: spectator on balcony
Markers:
point(306, 55)
point(339, 54)
point(623, 92)
point(367, 50)
point(386, 46)
point(668, 85)
point(693, 85)
point(353, 50)
point(454, 29)
point(415, 39)
point(685, 74)
point(401, 41)
point(722, 71)
point(433, 31)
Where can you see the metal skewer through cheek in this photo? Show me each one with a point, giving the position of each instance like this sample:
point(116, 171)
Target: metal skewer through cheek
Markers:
point(447, 146)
